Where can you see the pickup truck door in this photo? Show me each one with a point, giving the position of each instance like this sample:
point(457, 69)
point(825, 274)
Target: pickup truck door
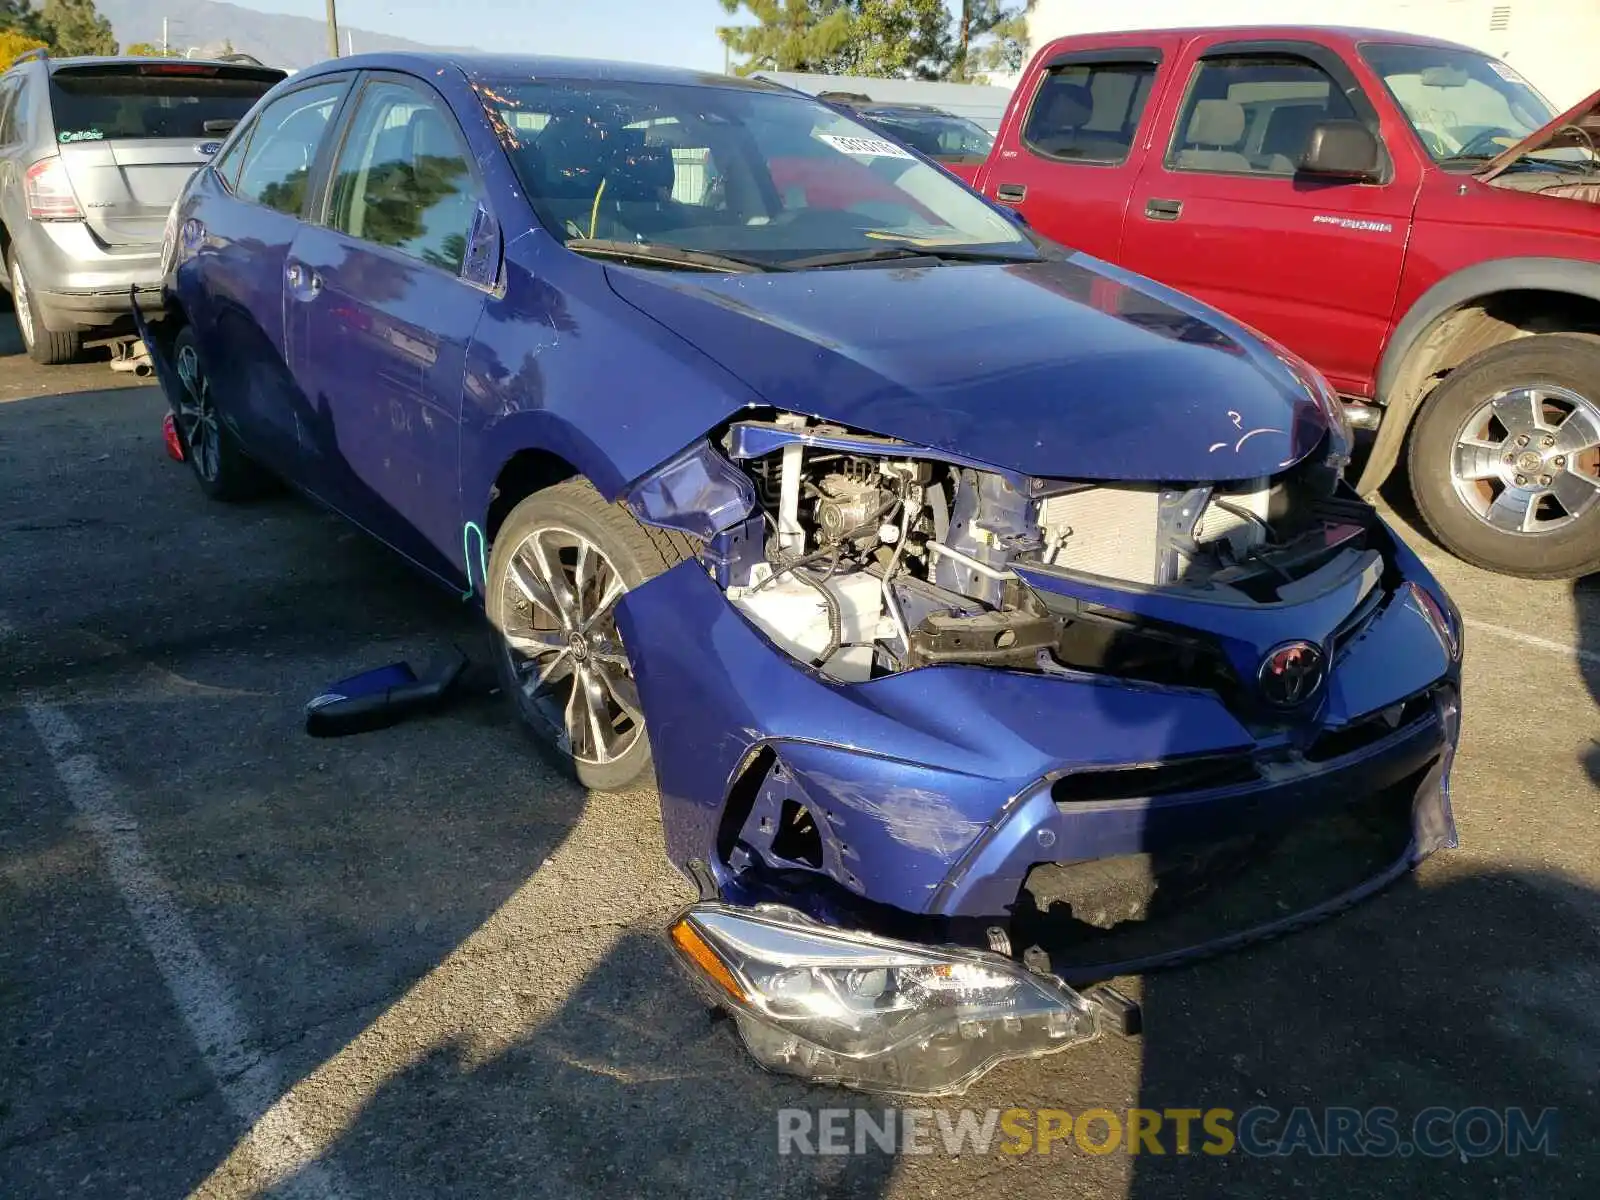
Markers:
point(1075, 136)
point(1223, 214)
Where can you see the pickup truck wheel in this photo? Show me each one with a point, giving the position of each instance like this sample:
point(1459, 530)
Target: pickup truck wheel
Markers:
point(1505, 458)
point(43, 345)
point(561, 562)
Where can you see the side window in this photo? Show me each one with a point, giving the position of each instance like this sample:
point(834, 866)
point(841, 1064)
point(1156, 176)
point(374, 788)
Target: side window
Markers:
point(1252, 115)
point(10, 89)
point(1089, 112)
point(283, 146)
point(227, 163)
point(402, 178)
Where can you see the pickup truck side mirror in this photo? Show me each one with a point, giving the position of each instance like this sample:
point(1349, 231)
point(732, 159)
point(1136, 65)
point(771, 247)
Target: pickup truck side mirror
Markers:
point(1341, 150)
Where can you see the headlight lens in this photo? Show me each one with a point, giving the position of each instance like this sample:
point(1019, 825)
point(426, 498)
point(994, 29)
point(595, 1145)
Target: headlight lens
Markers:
point(1444, 619)
point(836, 1006)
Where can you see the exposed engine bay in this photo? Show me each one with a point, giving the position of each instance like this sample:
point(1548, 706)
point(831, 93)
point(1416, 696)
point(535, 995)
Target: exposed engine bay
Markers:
point(869, 557)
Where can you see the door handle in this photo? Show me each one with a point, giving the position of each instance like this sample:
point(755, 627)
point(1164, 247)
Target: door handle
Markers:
point(304, 281)
point(1011, 193)
point(1163, 210)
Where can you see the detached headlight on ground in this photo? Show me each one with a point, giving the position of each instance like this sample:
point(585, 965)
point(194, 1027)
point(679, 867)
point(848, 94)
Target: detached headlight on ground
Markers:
point(834, 1006)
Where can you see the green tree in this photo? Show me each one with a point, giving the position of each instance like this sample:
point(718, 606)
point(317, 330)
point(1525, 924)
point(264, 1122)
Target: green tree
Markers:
point(790, 35)
point(18, 16)
point(991, 35)
point(149, 50)
point(76, 27)
point(898, 39)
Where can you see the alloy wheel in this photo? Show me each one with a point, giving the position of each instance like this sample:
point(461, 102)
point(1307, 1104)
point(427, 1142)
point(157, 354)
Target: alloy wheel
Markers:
point(560, 597)
point(197, 416)
point(22, 303)
point(1528, 460)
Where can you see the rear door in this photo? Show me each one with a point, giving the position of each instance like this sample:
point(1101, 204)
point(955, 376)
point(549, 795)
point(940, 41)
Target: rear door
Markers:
point(380, 313)
point(1222, 214)
point(1067, 158)
point(243, 217)
point(130, 135)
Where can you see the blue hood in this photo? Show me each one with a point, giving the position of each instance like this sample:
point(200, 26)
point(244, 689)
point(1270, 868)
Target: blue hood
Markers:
point(1056, 369)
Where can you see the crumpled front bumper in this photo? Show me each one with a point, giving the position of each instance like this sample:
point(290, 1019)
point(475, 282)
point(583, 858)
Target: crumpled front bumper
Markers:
point(935, 792)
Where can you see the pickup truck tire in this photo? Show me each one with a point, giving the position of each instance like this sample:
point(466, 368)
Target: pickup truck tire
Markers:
point(560, 563)
point(1505, 458)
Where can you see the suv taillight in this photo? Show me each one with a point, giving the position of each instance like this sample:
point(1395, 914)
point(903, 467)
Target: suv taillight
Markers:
point(49, 192)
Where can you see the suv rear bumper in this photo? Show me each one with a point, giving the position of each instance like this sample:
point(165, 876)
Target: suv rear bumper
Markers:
point(78, 282)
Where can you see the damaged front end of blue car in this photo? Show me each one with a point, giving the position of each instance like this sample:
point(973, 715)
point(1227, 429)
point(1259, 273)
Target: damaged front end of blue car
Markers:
point(942, 743)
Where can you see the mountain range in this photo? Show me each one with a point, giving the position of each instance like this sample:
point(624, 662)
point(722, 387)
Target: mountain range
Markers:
point(277, 39)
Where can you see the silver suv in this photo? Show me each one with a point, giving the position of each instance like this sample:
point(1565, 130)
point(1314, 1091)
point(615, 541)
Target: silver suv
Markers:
point(93, 151)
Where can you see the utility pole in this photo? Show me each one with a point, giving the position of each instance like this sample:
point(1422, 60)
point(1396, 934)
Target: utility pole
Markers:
point(333, 30)
point(163, 37)
point(349, 42)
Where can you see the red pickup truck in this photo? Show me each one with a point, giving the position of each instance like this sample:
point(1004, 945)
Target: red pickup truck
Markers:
point(1409, 215)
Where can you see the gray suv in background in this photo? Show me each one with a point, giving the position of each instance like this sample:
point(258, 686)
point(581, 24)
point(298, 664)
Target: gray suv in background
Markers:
point(93, 151)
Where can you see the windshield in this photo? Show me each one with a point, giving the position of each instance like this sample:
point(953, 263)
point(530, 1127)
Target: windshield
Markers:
point(1465, 107)
point(764, 177)
point(938, 135)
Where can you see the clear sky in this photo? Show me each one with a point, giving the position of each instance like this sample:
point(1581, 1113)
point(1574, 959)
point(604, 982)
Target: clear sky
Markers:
point(676, 32)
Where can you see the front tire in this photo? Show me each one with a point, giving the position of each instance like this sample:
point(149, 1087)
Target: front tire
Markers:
point(561, 562)
point(1505, 458)
point(44, 346)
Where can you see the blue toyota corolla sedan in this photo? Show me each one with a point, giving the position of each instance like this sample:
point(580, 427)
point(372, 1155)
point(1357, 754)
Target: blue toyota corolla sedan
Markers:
point(975, 603)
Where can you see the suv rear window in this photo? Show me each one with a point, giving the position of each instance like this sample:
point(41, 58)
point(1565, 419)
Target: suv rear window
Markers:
point(96, 105)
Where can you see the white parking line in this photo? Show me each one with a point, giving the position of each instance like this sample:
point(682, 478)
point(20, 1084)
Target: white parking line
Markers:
point(251, 1084)
point(1538, 643)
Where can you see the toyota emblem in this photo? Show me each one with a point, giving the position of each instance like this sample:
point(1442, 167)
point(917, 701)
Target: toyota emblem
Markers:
point(1290, 674)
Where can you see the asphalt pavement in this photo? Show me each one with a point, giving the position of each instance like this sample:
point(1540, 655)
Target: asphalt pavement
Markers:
point(237, 961)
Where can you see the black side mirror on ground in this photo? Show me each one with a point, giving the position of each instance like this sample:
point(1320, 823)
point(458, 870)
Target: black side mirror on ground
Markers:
point(1342, 150)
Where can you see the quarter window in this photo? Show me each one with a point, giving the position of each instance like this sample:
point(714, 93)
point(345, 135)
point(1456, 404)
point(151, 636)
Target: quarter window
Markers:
point(1089, 111)
point(402, 179)
point(1254, 115)
point(288, 133)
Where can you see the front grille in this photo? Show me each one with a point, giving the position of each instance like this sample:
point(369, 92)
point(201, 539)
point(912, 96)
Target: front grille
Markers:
point(1375, 727)
point(1154, 779)
point(1109, 911)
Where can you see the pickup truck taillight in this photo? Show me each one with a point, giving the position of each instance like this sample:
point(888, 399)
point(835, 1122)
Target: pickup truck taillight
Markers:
point(49, 192)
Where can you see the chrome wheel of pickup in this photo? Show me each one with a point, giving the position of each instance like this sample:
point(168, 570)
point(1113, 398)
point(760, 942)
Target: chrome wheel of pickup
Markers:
point(1528, 460)
point(1504, 457)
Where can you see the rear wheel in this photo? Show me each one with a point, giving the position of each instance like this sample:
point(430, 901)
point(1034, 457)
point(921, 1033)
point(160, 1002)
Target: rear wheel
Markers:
point(43, 345)
point(222, 469)
point(561, 562)
point(1505, 458)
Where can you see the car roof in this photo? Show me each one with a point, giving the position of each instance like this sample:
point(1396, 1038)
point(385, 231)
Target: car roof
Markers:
point(1344, 34)
point(485, 68)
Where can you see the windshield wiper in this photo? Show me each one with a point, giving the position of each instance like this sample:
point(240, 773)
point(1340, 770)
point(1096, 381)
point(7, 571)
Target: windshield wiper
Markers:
point(666, 255)
point(849, 258)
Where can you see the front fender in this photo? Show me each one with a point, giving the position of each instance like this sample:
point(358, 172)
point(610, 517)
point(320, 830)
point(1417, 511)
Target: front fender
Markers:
point(1399, 388)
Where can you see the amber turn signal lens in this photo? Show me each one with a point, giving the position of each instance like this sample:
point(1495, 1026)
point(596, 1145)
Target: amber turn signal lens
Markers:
point(694, 947)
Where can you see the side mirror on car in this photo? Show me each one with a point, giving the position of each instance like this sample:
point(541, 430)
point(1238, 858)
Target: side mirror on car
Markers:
point(1342, 150)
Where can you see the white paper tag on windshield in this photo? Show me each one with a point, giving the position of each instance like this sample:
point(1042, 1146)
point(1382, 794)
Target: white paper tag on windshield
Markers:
point(1506, 73)
point(865, 147)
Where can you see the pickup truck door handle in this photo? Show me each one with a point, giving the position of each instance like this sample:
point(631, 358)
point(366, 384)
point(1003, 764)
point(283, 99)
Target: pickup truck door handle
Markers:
point(1163, 210)
point(1010, 193)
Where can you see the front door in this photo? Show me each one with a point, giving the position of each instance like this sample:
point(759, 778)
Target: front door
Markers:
point(379, 319)
point(1225, 216)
